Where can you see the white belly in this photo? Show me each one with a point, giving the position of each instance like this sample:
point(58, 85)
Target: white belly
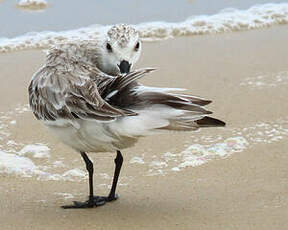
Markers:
point(97, 136)
point(90, 136)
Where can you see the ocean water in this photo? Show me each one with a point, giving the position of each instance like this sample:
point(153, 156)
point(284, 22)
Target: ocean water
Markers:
point(72, 14)
point(64, 20)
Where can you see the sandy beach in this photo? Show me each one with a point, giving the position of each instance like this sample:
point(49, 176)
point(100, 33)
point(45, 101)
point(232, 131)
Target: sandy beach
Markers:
point(246, 76)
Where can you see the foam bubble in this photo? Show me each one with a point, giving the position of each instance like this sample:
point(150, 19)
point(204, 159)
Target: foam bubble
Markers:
point(75, 173)
point(58, 164)
point(266, 80)
point(137, 160)
point(32, 4)
point(197, 154)
point(35, 150)
point(13, 164)
point(65, 195)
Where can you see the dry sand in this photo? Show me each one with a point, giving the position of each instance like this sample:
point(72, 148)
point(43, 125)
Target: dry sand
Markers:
point(247, 190)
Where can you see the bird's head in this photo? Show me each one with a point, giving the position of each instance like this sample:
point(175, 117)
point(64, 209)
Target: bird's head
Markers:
point(120, 50)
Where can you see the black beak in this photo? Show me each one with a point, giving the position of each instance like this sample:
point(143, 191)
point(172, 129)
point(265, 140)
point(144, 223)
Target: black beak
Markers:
point(124, 66)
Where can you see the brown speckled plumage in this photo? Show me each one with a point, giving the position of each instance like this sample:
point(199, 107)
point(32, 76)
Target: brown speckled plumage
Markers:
point(122, 33)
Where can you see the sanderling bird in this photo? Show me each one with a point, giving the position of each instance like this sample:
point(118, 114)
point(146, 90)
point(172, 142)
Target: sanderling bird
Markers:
point(87, 95)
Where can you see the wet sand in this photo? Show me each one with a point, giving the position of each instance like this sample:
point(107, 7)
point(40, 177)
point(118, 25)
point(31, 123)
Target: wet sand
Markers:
point(247, 190)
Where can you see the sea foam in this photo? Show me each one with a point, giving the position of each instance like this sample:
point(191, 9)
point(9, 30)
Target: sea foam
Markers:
point(228, 20)
point(13, 164)
point(32, 4)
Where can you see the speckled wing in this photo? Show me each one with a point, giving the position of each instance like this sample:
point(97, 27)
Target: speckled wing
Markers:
point(71, 92)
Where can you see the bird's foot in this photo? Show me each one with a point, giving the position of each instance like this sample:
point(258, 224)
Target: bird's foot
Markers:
point(107, 198)
point(91, 203)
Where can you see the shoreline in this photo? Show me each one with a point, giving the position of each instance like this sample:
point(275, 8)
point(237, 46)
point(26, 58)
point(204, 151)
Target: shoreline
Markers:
point(227, 20)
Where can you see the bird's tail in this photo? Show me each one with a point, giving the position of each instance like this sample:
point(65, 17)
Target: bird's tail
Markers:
point(158, 108)
point(182, 112)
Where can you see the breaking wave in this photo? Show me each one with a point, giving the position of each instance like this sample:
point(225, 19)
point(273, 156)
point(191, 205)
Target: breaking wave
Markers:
point(228, 20)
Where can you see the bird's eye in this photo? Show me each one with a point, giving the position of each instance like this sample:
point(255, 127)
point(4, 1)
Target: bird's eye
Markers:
point(137, 46)
point(108, 47)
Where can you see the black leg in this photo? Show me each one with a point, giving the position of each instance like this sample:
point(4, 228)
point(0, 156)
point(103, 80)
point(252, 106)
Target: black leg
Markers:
point(118, 164)
point(90, 169)
point(93, 201)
